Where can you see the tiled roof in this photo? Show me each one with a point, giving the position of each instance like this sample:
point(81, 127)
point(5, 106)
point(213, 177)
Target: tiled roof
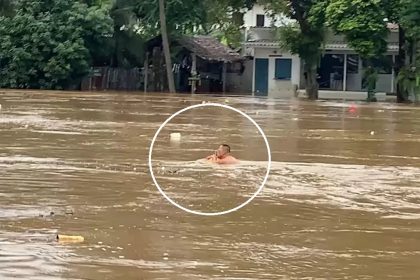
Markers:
point(209, 48)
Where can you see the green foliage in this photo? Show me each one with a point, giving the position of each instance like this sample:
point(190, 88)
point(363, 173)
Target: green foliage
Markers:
point(219, 18)
point(409, 79)
point(370, 76)
point(362, 23)
point(410, 18)
point(49, 44)
point(182, 17)
point(307, 45)
point(6, 7)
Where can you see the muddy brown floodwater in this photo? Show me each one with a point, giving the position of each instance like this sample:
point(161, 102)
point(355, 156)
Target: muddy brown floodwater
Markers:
point(342, 200)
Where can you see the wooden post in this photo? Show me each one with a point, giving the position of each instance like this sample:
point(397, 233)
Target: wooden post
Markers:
point(224, 70)
point(156, 68)
point(193, 73)
point(345, 73)
point(393, 74)
point(146, 71)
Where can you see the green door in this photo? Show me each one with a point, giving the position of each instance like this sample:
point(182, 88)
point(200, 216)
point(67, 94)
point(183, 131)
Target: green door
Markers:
point(261, 76)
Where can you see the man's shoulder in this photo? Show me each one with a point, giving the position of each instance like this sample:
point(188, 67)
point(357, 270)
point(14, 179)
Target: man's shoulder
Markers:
point(230, 159)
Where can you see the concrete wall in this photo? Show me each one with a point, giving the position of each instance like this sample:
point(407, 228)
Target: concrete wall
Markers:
point(280, 88)
point(250, 17)
point(241, 83)
point(345, 95)
point(384, 83)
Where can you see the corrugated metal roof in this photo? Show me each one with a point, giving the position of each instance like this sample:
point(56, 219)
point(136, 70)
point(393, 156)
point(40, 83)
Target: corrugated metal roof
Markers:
point(338, 45)
point(205, 47)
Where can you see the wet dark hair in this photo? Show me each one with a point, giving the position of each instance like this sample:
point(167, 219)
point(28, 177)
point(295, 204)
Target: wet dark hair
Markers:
point(226, 146)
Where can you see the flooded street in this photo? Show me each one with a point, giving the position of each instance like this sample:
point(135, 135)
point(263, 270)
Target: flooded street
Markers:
point(342, 200)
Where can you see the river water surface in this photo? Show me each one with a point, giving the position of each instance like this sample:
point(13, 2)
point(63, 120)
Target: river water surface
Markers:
point(342, 200)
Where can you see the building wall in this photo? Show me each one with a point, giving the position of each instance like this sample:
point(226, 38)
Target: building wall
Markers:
point(250, 17)
point(241, 83)
point(280, 88)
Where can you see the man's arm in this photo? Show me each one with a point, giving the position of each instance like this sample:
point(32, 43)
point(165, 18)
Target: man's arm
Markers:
point(211, 157)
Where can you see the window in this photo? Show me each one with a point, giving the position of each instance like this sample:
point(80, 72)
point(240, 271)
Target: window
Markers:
point(352, 64)
point(260, 20)
point(283, 69)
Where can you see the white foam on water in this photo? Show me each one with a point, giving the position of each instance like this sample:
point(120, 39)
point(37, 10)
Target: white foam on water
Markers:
point(388, 191)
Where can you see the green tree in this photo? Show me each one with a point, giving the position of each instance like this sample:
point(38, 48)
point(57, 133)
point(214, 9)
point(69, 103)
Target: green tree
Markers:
point(409, 20)
point(392, 10)
point(218, 18)
point(363, 25)
point(305, 37)
point(50, 44)
point(128, 41)
point(6, 7)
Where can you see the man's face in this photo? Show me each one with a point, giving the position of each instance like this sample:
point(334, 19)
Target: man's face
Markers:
point(221, 151)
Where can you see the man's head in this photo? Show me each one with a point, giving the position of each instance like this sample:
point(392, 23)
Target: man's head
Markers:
point(223, 150)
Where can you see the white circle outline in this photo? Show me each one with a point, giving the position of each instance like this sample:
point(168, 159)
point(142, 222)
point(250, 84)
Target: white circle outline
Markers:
point(209, 213)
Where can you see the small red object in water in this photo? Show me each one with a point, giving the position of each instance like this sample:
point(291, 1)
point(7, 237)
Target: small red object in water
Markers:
point(352, 108)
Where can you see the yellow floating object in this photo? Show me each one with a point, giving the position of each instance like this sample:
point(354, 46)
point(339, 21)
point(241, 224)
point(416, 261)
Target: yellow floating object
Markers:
point(70, 238)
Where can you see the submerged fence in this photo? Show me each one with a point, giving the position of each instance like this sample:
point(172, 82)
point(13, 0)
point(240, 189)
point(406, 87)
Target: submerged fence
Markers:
point(106, 78)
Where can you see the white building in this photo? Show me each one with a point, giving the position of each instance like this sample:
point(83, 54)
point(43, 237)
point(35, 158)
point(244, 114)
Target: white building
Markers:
point(276, 73)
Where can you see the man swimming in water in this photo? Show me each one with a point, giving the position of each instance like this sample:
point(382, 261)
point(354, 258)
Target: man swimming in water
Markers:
point(222, 156)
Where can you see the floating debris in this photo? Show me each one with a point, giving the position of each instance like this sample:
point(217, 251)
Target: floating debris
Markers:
point(176, 136)
point(352, 108)
point(69, 211)
point(372, 133)
point(70, 238)
point(47, 215)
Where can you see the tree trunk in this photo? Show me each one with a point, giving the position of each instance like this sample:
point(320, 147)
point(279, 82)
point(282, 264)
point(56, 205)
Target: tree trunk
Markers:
point(311, 84)
point(414, 65)
point(400, 62)
point(165, 43)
